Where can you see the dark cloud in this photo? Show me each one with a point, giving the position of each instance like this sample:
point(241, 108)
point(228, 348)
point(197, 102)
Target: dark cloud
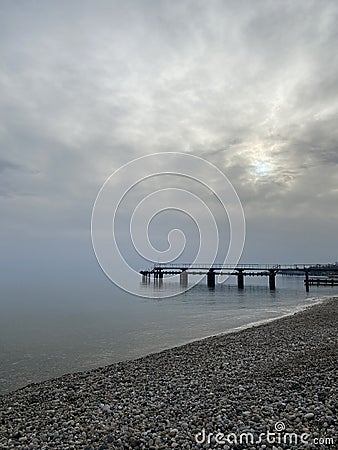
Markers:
point(6, 165)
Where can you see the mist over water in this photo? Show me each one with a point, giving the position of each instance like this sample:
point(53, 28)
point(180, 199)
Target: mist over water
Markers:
point(51, 328)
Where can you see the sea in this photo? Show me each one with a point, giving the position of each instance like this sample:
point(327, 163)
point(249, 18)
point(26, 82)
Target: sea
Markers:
point(50, 329)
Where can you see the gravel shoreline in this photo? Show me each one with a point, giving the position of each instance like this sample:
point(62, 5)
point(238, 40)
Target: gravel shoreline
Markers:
point(238, 384)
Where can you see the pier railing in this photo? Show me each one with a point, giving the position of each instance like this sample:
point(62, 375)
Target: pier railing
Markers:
point(215, 266)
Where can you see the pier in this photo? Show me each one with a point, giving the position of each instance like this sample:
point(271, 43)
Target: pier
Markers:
point(184, 270)
point(323, 281)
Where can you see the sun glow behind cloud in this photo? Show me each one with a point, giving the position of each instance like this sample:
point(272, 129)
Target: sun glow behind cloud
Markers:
point(262, 168)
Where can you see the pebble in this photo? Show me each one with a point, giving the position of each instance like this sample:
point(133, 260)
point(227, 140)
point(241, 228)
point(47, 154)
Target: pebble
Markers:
point(282, 373)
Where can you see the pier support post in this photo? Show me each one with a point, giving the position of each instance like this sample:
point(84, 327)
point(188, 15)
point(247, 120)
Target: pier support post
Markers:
point(184, 278)
point(240, 279)
point(158, 274)
point(158, 277)
point(307, 284)
point(211, 278)
point(272, 280)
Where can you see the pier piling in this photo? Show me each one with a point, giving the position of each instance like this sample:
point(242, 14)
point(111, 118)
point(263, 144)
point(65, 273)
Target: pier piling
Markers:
point(240, 279)
point(272, 280)
point(307, 286)
point(184, 278)
point(211, 278)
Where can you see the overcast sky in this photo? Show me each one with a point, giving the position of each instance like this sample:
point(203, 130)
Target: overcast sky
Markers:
point(251, 86)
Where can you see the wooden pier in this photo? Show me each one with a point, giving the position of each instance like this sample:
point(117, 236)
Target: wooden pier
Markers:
point(184, 270)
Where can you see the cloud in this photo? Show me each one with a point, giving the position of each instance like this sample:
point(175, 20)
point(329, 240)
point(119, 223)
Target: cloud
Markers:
point(86, 87)
point(8, 166)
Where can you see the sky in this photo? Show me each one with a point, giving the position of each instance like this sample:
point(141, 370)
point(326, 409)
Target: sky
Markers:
point(86, 87)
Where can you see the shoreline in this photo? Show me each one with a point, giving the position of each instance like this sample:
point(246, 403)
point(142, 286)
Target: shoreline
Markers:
point(255, 324)
point(258, 323)
point(312, 301)
point(227, 381)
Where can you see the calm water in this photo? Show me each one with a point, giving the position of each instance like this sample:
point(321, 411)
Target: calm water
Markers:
point(53, 328)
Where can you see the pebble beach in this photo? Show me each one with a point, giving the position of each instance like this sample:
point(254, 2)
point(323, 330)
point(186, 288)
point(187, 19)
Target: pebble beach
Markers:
point(272, 386)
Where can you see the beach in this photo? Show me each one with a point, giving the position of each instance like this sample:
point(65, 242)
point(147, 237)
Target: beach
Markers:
point(268, 386)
